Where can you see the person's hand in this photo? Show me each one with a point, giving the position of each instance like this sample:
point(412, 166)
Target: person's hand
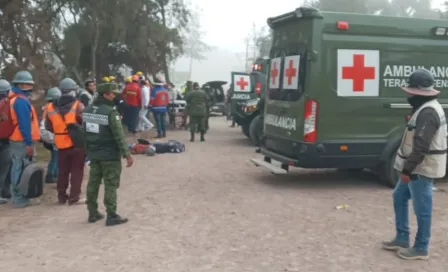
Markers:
point(405, 178)
point(29, 151)
point(129, 161)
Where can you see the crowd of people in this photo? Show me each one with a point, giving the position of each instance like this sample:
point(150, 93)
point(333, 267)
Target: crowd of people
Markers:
point(84, 125)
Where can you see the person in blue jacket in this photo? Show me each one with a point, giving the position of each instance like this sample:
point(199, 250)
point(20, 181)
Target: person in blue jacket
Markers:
point(22, 141)
point(159, 106)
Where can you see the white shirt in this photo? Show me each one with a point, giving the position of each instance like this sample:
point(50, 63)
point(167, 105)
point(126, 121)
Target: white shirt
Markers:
point(172, 94)
point(145, 96)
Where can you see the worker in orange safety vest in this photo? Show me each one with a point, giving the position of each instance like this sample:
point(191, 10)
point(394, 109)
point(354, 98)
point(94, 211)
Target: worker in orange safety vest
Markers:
point(63, 115)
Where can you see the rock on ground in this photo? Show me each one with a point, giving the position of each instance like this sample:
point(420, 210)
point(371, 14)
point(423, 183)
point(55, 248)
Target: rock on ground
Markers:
point(210, 209)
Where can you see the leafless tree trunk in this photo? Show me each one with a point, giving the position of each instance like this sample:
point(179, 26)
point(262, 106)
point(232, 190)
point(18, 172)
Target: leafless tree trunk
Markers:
point(95, 42)
point(165, 63)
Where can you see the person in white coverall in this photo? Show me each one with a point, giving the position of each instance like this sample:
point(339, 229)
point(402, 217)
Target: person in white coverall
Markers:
point(144, 124)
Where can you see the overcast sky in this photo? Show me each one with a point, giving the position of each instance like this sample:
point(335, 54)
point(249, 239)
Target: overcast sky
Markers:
point(226, 24)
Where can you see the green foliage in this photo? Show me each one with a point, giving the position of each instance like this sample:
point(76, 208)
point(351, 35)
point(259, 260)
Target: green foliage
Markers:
point(81, 38)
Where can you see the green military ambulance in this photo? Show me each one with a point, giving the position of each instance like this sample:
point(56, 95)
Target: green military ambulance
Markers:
point(247, 115)
point(334, 97)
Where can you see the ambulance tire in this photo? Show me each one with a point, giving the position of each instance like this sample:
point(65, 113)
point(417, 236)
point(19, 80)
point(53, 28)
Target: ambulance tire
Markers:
point(245, 130)
point(255, 130)
point(388, 174)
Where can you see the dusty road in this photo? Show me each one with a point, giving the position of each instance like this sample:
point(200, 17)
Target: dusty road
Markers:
point(209, 209)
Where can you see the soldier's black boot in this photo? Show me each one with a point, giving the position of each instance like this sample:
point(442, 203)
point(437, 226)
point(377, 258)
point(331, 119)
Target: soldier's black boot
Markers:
point(93, 218)
point(202, 137)
point(192, 137)
point(164, 134)
point(115, 219)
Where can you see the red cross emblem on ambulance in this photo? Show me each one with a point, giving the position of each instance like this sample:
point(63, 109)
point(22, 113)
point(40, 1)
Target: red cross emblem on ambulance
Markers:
point(241, 83)
point(358, 72)
point(291, 72)
point(274, 73)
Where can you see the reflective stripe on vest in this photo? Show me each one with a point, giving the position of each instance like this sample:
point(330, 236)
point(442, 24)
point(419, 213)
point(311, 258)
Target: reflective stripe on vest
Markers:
point(62, 139)
point(99, 119)
point(17, 135)
point(434, 162)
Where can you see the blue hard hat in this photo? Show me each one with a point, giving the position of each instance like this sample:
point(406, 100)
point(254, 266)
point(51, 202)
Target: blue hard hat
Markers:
point(4, 86)
point(23, 77)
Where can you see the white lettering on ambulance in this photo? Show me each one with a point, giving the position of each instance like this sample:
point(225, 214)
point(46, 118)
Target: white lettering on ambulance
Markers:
point(240, 96)
point(395, 76)
point(280, 121)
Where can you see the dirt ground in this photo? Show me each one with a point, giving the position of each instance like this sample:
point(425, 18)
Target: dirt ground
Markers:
point(210, 209)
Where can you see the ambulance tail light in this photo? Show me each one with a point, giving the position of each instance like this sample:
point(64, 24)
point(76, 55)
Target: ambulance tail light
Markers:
point(343, 25)
point(258, 88)
point(310, 124)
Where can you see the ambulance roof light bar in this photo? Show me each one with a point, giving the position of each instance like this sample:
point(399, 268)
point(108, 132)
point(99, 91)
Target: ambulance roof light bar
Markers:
point(302, 12)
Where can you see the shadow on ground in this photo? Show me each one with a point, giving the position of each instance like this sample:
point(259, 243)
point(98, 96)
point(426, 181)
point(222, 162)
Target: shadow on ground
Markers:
point(241, 141)
point(321, 179)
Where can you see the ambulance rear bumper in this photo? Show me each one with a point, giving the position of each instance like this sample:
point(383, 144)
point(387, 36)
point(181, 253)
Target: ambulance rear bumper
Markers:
point(328, 155)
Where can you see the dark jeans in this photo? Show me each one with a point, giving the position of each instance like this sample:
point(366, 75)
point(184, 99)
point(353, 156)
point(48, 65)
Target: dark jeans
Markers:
point(160, 121)
point(52, 168)
point(5, 165)
point(420, 190)
point(71, 171)
point(131, 117)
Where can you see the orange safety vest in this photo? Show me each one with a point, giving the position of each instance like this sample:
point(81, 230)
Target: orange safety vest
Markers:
point(17, 135)
point(62, 139)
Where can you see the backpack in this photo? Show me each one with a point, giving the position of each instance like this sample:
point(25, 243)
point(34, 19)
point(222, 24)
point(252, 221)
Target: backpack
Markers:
point(5, 117)
point(171, 146)
point(31, 181)
point(77, 135)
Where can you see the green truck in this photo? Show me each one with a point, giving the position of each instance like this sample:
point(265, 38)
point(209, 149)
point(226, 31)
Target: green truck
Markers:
point(334, 97)
point(217, 96)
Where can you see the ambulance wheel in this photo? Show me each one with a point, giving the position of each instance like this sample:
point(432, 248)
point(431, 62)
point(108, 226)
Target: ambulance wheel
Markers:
point(255, 130)
point(388, 175)
point(245, 130)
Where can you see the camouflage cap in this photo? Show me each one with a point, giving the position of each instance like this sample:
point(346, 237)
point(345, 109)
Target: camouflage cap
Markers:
point(108, 88)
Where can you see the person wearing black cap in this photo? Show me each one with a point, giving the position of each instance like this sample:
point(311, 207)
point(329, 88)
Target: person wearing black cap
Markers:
point(420, 159)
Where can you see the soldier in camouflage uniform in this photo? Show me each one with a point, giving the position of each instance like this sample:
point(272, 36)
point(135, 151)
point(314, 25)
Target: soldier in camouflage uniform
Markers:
point(197, 104)
point(207, 110)
point(260, 105)
point(231, 107)
point(105, 143)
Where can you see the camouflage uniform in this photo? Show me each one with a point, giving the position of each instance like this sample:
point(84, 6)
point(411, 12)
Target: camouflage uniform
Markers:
point(197, 105)
point(105, 142)
point(231, 107)
point(207, 111)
